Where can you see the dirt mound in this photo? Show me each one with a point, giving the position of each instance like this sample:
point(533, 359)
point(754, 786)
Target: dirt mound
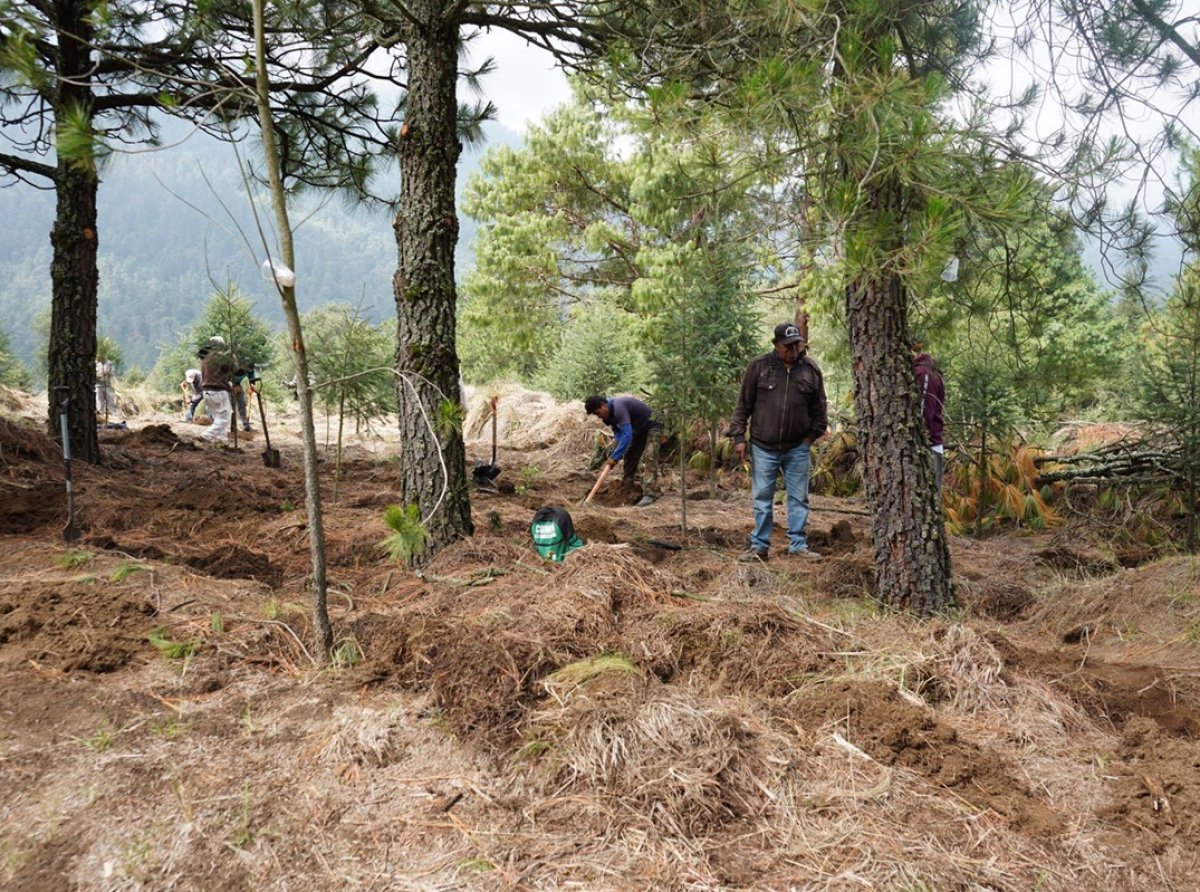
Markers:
point(19, 441)
point(76, 625)
point(847, 576)
point(1116, 693)
point(1120, 616)
point(1078, 558)
point(152, 435)
point(1001, 599)
point(1157, 791)
point(237, 562)
point(25, 507)
point(895, 732)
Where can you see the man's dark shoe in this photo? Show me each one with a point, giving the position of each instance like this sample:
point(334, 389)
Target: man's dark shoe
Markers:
point(751, 555)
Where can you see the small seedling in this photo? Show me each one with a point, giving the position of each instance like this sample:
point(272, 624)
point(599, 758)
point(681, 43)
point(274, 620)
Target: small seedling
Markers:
point(86, 579)
point(272, 609)
point(245, 834)
point(100, 741)
point(169, 728)
point(287, 505)
point(72, 558)
point(218, 624)
point(529, 476)
point(124, 570)
point(346, 654)
point(476, 865)
point(409, 537)
point(495, 521)
point(249, 723)
point(172, 650)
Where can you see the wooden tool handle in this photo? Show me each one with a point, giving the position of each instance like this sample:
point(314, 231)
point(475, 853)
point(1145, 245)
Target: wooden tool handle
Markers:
point(599, 482)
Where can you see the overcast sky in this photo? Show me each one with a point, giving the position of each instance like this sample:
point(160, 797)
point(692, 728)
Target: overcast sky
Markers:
point(525, 85)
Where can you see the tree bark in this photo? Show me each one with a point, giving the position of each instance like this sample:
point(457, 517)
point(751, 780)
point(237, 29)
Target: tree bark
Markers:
point(433, 461)
point(287, 296)
point(71, 354)
point(912, 561)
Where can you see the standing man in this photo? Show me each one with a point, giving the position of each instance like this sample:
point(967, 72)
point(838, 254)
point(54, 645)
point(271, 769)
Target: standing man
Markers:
point(634, 430)
point(216, 371)
point(240, 379)
point(106, 400)
point(782, 398)
point(933, 399)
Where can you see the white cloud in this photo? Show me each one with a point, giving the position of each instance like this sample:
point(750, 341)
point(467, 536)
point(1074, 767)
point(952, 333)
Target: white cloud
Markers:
point(525, 85)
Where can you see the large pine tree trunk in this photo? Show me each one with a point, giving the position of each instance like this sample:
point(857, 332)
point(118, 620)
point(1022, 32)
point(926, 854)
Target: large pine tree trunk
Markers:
point(433, 462)
point(912, 561)
point(72, 350)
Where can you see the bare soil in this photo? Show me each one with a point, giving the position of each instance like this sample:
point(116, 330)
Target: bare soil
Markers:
point(642, 716)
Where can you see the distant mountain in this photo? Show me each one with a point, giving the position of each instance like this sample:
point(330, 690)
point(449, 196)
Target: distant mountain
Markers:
point(171, 221)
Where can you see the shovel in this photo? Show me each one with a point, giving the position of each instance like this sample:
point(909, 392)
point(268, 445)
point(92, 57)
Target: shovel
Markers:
point(599, 482)
point(483, 473)
point(270, 455)
point(70, 532)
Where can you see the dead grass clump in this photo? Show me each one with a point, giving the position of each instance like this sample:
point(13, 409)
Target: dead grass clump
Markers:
point(649, 754)
point(965, 670)
point(530, 420)
point(747, 582)
point(1151, 611)
point(615, 573)
point(1000, 599)
point(468, 554)
point(756, 649)
point(361, 737)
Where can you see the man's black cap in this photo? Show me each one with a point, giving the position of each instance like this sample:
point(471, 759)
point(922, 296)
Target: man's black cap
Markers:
point(787, 333)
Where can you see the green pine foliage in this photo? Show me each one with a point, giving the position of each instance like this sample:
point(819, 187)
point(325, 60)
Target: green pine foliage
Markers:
point(350, 360)
point(1168, 361)
point(409, 538)
point(12, 372)
point(555, 235)
point(230, 315)
point(598, 353)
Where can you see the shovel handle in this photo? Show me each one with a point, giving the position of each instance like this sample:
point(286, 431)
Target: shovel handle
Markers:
point(495, 401)
point(599, 482)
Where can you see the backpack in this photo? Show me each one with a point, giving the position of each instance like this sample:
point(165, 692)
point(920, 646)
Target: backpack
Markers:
point(553, 533)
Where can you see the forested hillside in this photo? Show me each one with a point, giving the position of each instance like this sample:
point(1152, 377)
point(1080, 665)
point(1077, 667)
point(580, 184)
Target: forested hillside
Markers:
point(166, 228)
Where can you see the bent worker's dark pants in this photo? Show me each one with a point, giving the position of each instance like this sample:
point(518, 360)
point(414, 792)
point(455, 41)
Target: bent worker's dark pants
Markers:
point(645, 444)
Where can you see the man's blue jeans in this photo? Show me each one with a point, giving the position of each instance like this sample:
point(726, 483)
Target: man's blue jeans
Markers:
point(765, 465)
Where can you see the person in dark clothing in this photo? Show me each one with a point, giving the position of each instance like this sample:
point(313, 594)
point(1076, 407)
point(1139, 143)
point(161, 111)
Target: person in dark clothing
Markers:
point(637, 434)
point(217, 369)
point(782, 401)
point(933, 399)
point(240, 378)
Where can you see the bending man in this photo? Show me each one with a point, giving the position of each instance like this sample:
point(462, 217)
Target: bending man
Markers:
point(634, 430)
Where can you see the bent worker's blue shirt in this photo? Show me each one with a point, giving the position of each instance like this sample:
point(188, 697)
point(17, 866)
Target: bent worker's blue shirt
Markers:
point(627, 416)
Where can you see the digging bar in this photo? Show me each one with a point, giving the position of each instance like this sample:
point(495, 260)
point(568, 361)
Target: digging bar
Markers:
point(71, 532)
